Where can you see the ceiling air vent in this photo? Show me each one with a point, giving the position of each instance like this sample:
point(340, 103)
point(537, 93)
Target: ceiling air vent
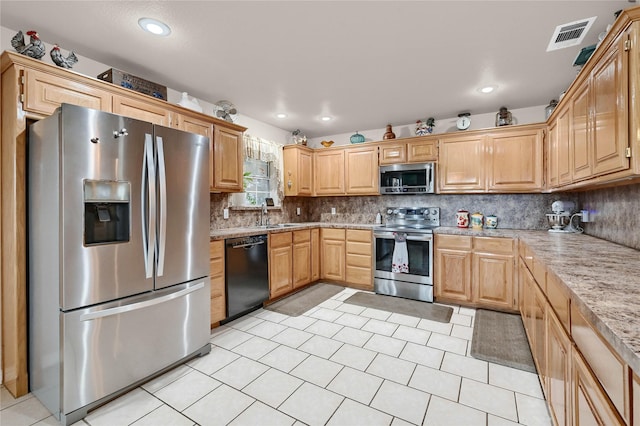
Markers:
point(571, 34)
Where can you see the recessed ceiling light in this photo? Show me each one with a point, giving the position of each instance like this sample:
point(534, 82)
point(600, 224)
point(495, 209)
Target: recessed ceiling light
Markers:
point(325, 118)
point(154, 26)
point(487, 89)
point(281, 115)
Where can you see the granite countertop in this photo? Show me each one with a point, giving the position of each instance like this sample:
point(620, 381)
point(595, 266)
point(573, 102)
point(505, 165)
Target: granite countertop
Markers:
point(603, 278)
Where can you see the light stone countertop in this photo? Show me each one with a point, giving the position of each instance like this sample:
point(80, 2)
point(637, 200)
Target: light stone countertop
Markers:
point(603, 278)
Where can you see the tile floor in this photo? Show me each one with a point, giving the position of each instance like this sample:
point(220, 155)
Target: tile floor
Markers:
point(338, 364)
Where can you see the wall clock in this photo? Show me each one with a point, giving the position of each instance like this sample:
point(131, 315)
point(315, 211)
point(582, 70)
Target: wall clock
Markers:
point(464, 121)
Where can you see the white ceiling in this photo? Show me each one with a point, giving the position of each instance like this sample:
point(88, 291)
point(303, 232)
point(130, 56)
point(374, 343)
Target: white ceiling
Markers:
point(365, 63)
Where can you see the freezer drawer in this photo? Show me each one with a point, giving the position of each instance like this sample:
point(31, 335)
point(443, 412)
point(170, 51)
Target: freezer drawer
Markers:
point(107, 348)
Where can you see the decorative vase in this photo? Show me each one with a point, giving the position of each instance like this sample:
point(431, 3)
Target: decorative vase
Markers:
point(186, 102)
point(462, 218)
point(491, 221)
point(503, 117)
point(389, 133)
point(477, 220)
point(356, 138)
point(421, 128)
point(549, 108)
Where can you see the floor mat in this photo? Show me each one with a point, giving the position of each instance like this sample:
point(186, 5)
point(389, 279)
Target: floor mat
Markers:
point(399, 305)
point(300, 302)
point(500, 337)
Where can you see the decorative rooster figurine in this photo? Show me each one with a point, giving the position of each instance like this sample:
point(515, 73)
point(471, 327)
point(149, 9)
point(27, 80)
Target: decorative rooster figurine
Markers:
point(35, 49)
point(61, 61)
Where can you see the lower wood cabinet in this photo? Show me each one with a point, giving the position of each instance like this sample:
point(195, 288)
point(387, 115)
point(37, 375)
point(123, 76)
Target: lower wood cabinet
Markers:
point(476, 270)
point(280, 263)
point(635, 391)
point(558, 371)
point(315, 254)
point(333, 251)
point(359, 260)
point(301, 257)
point(218, 299)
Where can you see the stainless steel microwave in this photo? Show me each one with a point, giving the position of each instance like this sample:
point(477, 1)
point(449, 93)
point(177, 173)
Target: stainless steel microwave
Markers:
point(407, 179)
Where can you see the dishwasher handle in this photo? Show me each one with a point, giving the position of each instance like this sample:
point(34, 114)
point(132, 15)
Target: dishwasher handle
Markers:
point(248, 245)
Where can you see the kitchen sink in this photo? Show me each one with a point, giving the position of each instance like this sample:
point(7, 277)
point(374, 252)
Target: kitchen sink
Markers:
point(276, 226)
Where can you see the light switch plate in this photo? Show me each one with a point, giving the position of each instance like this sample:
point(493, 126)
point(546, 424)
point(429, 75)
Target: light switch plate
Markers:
point(333, 210)
point(225, 213)
point(298, 211)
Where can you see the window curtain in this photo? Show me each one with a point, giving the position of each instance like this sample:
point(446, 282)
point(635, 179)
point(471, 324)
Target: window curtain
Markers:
point(264, 150)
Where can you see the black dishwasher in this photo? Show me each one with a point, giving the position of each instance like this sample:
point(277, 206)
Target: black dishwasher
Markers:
point(247, 274)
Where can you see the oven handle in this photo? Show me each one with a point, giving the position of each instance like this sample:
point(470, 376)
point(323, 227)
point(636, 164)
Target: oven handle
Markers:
point(412, 237)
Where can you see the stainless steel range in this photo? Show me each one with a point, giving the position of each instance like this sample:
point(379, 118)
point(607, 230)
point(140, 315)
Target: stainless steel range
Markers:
point(404, 252)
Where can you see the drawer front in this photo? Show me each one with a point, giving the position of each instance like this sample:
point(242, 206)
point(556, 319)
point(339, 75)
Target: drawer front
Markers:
point(559, 300)
point(333, 233)
point(493, 245)
point(359, 276)
point(610, 370)
point(359, 260)
point(301, 236)
point(359, 248)
point(455, 242)
point(392, 154)
point(216, 249)
point(281, 239)
point(359, 235)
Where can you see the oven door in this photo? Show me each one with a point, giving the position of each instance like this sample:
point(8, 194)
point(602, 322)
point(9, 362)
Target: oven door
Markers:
point(420, 251)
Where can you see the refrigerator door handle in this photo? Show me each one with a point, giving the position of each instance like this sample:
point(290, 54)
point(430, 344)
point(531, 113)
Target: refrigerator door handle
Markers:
point(140, 305)
point(149, 200)
point(162, 183)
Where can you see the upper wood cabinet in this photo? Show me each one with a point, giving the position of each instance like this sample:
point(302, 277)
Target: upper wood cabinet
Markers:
point(501, 160)
point(461, 166)
point(419, 149)
point(298, 170)
point(192, 125)
point(328, 167)
point(44, 92)
point(141, 110)
point(228, 161)
point(558, 150)
point(361, 171)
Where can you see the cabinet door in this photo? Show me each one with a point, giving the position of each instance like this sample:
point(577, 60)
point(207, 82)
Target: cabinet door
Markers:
point(558, 390)
point(329, 172)
point(280, 263)
point(298, 171)
point(539, 323)
point(359, 261)
point(493, 280)
point(43, 93)
point(453, 272)
point(145, 111)
point(193, 125)
point(635, 392)
point(580, 135)
point(609, 84)
point(315, 254)
point(333, 254)
point(515, 161)
point(420, 150)
point(361, 170)
point(393, 153)
point(462, 164)
point(301, 257)
point(218, 305)
point(590, 403)
point(563, 133)
point(227, 160)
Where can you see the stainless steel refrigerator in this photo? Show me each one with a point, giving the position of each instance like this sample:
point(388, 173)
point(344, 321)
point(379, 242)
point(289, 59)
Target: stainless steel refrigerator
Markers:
point(118, 244)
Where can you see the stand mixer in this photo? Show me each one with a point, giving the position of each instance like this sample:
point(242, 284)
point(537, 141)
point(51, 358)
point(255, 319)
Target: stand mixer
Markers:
point(561, 220)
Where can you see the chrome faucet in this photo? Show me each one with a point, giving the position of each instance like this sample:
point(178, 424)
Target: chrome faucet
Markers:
point(264, 212)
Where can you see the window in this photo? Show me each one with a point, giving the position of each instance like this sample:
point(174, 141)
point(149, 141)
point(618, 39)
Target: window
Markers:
point(257, 181)
point(262, 170)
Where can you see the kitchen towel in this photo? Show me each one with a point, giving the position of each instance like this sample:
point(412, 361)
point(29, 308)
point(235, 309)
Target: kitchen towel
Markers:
point(400, 259)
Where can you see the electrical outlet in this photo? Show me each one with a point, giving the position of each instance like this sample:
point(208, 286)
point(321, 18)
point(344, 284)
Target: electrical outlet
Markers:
point(298, 211)
point(225, 213)
point(586, 217)
point(333, 210)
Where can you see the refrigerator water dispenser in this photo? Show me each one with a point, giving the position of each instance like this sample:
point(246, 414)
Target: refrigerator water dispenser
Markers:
point(106, 212)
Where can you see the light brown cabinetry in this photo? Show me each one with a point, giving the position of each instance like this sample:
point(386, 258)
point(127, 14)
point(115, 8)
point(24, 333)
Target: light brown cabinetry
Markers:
point(361, 171)
point(298, 170)
point(558, 371)
point(635, 391)
point(359, 258)
point(453, 267)
point(500, 160)
point(302, 257)
point(44, 92)
point(193, 125)
point(494, 272)
point(476, 270)
point(411, 150)
point(227, 159)
point(329, 172)
point(315, 254)
point(218, 298)
point(559, 158)
point(280, 263)
point(333, 250)
point(141, 110)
